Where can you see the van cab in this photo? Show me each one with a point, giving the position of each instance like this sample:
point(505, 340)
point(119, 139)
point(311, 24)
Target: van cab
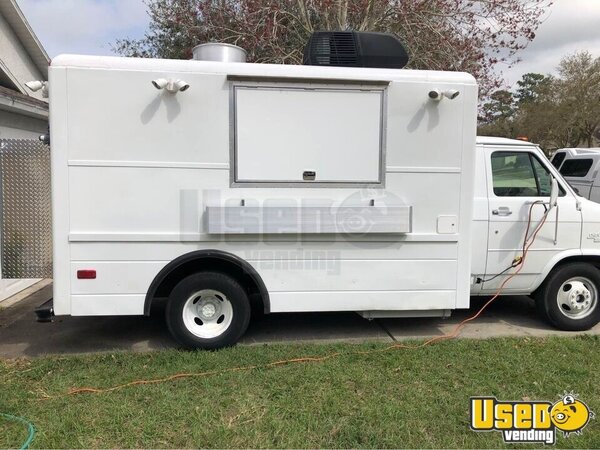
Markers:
point(561, 269)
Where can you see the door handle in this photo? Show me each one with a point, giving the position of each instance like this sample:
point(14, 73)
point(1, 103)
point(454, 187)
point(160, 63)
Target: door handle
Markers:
point(502, 211)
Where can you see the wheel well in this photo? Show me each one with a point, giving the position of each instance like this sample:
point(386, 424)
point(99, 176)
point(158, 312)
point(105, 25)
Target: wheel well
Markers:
point(590, 259)
point(214, 261)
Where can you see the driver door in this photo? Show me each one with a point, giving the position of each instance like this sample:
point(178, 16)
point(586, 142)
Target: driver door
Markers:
point(518, 177)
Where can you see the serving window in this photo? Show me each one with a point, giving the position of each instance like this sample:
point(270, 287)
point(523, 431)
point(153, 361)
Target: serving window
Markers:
point(300, 135)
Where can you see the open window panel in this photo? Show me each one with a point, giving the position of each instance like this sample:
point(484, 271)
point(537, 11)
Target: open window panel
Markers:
point(298, 135)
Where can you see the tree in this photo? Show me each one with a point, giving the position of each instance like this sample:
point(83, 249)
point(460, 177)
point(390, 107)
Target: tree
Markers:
point(465, 35)
point(541, 113)
point(530, 86)
point(555, 112)
point(497, 114)
point(561, 111)
point(579, 84)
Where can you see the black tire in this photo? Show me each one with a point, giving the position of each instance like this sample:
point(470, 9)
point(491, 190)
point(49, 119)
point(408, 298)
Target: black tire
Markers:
point(564, 317)
point(540, 306)
point(228, 288)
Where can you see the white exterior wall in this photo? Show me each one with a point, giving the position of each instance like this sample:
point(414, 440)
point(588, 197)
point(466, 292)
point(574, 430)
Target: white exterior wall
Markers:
point(16, 126)
point(15, 60)
point(19, 120)
point(134, 169)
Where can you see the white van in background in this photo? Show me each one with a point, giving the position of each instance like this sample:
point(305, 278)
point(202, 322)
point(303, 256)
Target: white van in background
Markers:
point(580, 166)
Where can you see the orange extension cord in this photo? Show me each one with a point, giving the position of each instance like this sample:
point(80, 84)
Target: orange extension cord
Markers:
point(452, 335)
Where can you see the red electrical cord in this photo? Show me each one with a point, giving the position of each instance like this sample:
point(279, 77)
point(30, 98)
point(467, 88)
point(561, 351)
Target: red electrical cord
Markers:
point(527, 243)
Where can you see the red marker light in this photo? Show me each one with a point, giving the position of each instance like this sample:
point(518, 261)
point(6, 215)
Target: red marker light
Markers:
point(86, 274)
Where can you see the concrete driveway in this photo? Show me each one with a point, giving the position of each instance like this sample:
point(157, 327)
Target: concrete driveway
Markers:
point(21, 335)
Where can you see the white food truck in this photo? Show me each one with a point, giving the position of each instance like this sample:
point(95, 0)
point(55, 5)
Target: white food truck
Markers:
point(580, 167)
point(229, 187)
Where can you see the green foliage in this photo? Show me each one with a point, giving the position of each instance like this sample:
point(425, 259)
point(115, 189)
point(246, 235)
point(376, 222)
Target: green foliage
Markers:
point(409, 398)
point(530, 87)
point(579, 84)
point(497, 114)
point(554, 112)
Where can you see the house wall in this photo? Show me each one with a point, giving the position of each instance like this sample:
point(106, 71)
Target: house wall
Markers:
point(17, 65)
point(17, 126)
point(15, 60)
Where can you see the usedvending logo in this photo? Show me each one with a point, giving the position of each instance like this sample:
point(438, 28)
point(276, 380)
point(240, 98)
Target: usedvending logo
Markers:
point(530, 421)
point(595, 237)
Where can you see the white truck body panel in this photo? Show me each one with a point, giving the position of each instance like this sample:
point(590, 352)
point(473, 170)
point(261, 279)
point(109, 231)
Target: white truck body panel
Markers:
point(135, 169)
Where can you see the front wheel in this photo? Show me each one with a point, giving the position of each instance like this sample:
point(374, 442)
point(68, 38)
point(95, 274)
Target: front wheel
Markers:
point(570, 297)
point(208, 310)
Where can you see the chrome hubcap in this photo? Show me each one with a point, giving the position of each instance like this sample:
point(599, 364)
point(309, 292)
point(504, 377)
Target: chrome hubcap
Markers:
point(207, 313)
point(577, 297)
point(209, 310)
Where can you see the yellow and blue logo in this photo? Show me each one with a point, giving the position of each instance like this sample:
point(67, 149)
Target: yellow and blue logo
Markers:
point(530, 421)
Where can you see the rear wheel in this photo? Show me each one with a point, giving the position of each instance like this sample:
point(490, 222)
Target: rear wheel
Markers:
point(570, 297)
point(208, 310)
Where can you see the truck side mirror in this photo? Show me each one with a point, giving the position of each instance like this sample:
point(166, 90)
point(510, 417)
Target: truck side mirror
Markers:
point(554, 193)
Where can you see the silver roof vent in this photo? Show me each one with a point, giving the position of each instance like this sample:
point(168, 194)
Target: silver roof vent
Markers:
point(219, 52)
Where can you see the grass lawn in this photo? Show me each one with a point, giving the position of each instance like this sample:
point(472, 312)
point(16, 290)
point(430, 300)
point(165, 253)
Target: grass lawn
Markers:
point(399, 398)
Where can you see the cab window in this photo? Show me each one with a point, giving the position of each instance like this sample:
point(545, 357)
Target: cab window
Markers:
point(520, 174)
point(576, 167)
point(559, 157)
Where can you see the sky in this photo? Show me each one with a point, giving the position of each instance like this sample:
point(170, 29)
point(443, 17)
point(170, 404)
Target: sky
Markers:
point(84, 26)
point(90, 26)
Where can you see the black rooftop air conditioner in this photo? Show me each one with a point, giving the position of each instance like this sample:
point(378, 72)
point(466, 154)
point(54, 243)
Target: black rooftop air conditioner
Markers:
point(355, 49)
